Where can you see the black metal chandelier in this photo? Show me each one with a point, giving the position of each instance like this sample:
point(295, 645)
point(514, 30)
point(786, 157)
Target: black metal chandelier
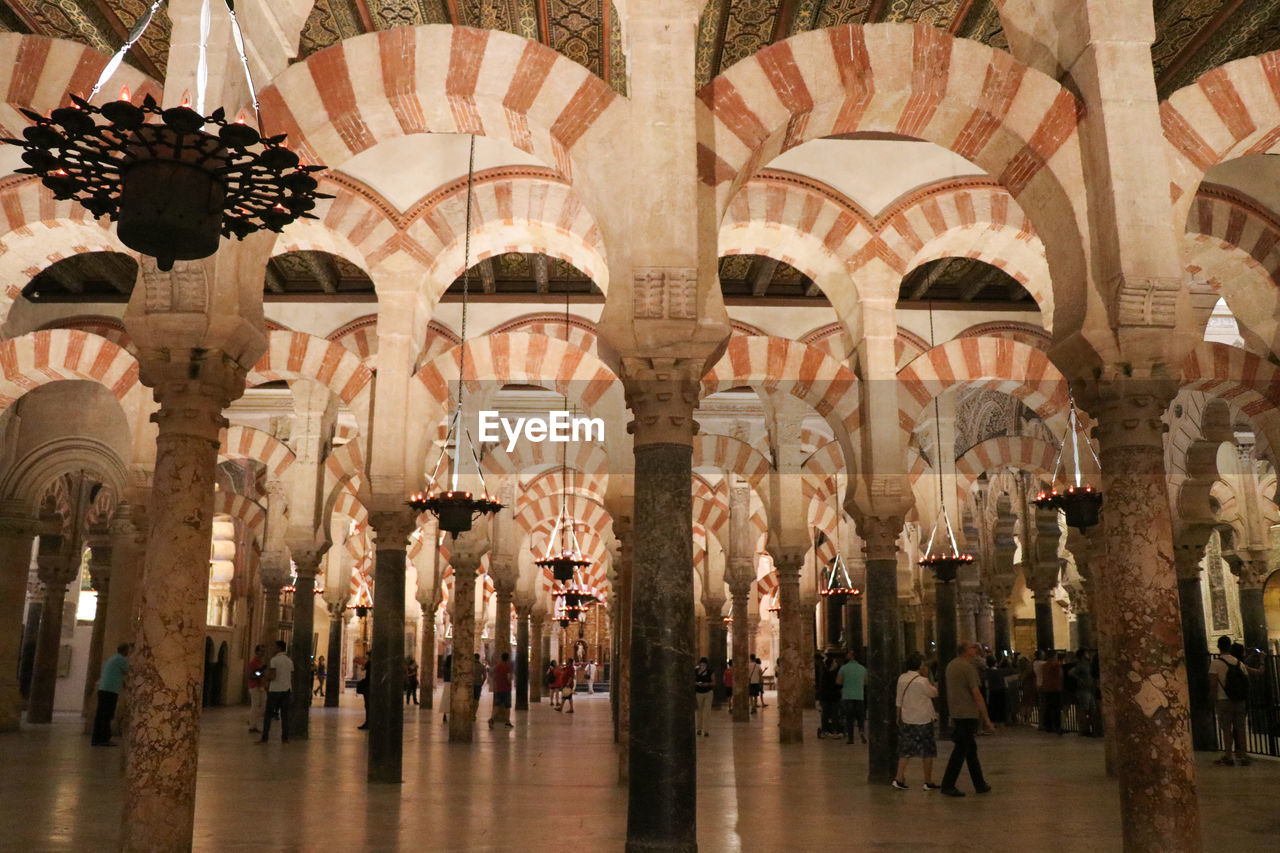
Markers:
point(1079, 501)
point(174, 180)
point(837, 586)
point(945, 565)
point(456, 508)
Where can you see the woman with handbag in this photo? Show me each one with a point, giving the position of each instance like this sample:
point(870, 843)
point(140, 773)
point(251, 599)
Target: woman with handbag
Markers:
point(915, 721)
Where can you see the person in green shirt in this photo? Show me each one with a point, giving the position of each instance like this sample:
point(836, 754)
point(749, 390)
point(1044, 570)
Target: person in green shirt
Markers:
point(109, 687)
point(852, 679)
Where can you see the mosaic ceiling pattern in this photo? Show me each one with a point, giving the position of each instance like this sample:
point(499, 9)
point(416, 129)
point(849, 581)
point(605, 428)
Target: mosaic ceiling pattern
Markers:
point(1192, 36)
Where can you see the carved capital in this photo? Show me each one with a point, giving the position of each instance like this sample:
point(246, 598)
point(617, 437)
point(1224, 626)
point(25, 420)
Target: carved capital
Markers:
point(788, 561)
point(393, 527)
point(880, 536)
point(307, 558)
point(1250, 573)
point(467, 551)
point(193, 387)
point(1130, 412)
point(662, 394)
point(740, 571)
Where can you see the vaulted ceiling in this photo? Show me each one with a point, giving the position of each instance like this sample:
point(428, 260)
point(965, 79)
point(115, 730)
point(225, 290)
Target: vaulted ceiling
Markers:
point(1192, 36)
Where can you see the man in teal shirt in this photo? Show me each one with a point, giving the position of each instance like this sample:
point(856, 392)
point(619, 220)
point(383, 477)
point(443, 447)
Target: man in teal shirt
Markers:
point(852, 679)
point(109, 687)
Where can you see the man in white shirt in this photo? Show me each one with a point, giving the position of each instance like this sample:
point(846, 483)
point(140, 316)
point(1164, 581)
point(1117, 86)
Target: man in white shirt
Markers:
point(755, 683)
point(279, 683)
point(1227, 678)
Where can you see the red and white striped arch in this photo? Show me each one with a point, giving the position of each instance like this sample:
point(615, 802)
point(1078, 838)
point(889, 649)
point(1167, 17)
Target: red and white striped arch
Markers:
point(1021, 452)
point(551, 482)
point(101, 325)
point(581, 332)
point(1248, 383)
point(512, 210)
point(1004, 365)
point(438, 79)
point(726, 453)
point(527, 457)
point(348, 504)
point(359, 337)
point(1232, 111)
point(521, 358)
point(297, 355)
point(344, 468)
point(248, 512)
point(915, 81)
point(53, 355)
point(355, 225)
point(710, 511)
point(243, 442)
point(790, 367)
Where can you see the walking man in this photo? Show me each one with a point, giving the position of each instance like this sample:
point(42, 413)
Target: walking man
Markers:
point(279, 684)
point(852, 679)
point(755, 684)
point(109, 687)
point(500, 684)
point(968, 711)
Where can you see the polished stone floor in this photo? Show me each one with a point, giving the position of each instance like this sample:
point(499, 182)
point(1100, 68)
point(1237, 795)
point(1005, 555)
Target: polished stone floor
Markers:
point(549, 785)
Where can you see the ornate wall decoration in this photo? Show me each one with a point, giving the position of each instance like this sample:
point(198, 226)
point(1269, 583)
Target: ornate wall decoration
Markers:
point(665, 293)
point(1251, 31)
point(939, 13)
point(750, 27)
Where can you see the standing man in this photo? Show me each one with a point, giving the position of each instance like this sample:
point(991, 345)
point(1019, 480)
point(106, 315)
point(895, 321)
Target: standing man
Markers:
point(1229, 691)
point(1051, 683)
point(109, 687)
point(964, 702)
point(257, 687)
point(852, 679)
point(279, 684)
point(755, 684)
point(500, 684)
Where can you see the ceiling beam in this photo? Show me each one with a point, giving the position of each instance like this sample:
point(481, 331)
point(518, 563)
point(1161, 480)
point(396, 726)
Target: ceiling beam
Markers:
point(782, 22)
point(273, 281)
point(812, 290)
point(873, 13)
point(541, 272)
point(958, 20)
point(98, 267)
point(121, 33)
point(722, 26)
point(323, 270)
point(63, 277)
point(922, 286)
point(980, 282)
point(1196, 42)
point(366, 18)
point(760, 276)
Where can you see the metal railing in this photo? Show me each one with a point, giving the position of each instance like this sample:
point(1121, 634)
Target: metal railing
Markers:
point(1262, 714)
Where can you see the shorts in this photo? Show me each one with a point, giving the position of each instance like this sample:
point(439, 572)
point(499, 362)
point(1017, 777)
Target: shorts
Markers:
point(566, 692)
point(757, 690)
point(502, 700)
point(916, 741)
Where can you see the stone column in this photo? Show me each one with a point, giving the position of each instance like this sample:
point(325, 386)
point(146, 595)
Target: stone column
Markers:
point(504, 592)
point(386, 657)
point(795, 659)
point(1003, 628)
point(464, 555)
point(427, 661)
point(716, 641)
point(17, 530)
point(523, 611)
point(661, 744)
point(884, 658)
point(622, 598)
point(1187, 553)
point(128, 551)
point(753, 634)
point(853, 625)
point(1251, 574)
point(740, 589)
point(165, 667)
point(333, 657)
point(1044, 620)
point(100, 577)
point(56, 569)
point(537, 625)
point(1145, 673)
point(307, 560)
point(944, 610)
point(271, 587)
point(809, 645)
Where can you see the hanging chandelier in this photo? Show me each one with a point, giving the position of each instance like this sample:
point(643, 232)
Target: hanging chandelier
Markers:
point(1079, 501)
point(728, 617)
point(454, 508)
point(174, 180)
point(945, 565)
point(837, 585)
point(776, 607)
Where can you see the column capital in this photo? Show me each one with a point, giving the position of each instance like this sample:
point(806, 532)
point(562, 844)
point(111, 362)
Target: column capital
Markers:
point(1129, 412)
point(740, 570)
point(336, 609)
point(393, 527)
point(713, 605)
point(1251, 573)
point(662, 394)
point(193, 387)
point(307, 557)
point(466, 552)
point(880, 536)
point(787, 560)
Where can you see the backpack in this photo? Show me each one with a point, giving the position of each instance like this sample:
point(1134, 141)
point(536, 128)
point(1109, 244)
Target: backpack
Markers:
point(1237, 683)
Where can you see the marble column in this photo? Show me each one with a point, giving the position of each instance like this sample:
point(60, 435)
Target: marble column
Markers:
point(17, 531)
point(622, 531)
point(662, 755)
point(1146, 675)
point(536, 661)
point(753, 635)
point(465, 553)
point(910, 638)
point(128, 551)
point(1003, 629)
point(166, 665)
point(944, 609)
point(740, 589)
point(427, 662)
point(504, 592)
point(56, 569)
point(716, 642)
point(853, 625)
point(1195, 640)
point(796, 659)
point(271, 587)
point(1044, 620)
point(386, 657)
point(100, 577)
point(333, 657)
point(884, 659)
point(307, 560)
point(522, 656)
point(1251, 575)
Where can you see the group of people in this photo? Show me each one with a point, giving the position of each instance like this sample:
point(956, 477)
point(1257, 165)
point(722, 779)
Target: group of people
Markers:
point(561, 681)
point(842, 696)
point(1229, 689)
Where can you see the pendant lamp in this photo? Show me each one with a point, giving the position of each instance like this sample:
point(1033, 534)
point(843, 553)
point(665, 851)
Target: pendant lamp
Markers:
point(1079, 501)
